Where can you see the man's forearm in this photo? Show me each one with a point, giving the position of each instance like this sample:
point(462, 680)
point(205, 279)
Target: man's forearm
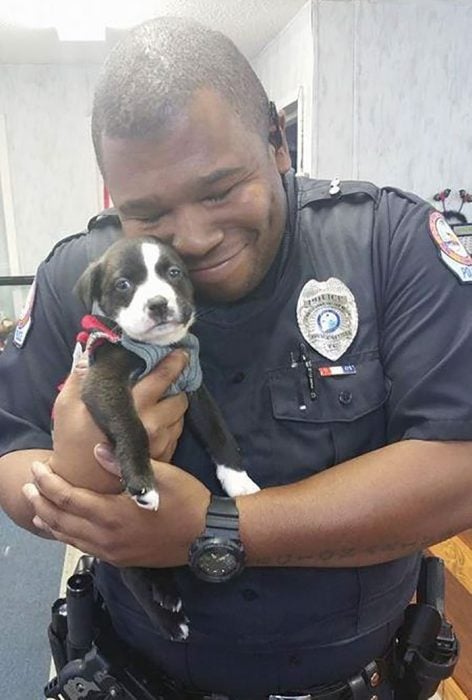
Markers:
point(380, 506)
point(15, 471)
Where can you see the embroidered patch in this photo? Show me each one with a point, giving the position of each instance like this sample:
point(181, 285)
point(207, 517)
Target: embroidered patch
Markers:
point(24, 324)
point(327, 316)
point(451, 250)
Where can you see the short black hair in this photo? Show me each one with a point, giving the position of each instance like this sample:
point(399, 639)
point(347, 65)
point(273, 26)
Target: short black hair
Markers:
point(152, 73)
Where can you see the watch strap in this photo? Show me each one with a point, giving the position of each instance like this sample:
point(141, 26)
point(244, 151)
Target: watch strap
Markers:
point(222, 519)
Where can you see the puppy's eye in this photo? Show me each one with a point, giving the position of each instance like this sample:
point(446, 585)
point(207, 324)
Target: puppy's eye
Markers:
point(174, 272)
point(122, 284)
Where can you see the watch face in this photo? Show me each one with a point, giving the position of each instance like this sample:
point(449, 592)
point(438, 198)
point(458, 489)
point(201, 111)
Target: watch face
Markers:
point(217, 562)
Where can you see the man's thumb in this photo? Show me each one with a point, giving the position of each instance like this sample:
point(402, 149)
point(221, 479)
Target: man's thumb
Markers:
point(106, 458)
point(71, 387)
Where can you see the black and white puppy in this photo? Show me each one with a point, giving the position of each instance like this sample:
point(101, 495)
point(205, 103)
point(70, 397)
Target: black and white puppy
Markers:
point(140, 290)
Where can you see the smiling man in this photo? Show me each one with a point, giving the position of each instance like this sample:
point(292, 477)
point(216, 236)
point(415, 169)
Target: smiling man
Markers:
point(207, 187)
point(336, 337)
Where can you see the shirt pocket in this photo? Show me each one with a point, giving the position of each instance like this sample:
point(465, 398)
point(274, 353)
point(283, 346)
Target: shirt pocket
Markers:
point(346, 418)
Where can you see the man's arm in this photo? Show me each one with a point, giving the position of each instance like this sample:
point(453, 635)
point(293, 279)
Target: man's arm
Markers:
point(381, 506)
point(15, 472)
point(76, 435)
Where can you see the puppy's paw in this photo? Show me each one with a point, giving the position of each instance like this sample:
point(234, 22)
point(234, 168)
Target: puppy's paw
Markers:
point(146, 498)
point(235, 482)
point(169, 600)
point(183, 632)
point(175, 626)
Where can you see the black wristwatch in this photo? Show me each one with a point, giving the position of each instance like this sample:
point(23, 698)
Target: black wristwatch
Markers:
point(218, 554)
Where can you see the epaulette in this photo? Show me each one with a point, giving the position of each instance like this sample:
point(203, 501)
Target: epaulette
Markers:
point(410, 196)
point(108, 217)
point(310, 191)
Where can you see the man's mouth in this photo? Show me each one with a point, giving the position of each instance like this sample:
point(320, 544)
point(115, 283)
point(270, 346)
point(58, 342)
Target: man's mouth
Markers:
point(217, 269)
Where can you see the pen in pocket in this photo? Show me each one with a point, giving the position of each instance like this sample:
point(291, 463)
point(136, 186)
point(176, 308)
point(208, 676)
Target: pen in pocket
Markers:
point(309, 371)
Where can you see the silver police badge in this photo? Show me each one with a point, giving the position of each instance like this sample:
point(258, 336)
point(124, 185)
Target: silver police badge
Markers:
point(327, 316)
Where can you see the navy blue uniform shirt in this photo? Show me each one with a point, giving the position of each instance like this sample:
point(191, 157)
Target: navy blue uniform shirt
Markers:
point(283, 628)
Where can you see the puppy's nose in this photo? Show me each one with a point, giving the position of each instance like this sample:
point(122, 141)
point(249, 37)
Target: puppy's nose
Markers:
point(157, 305)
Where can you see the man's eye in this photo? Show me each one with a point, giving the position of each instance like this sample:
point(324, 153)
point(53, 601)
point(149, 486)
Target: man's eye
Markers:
point(174, 272)
point(218, 197)
point(150, 219)
point(122, 284)
point(147, 219)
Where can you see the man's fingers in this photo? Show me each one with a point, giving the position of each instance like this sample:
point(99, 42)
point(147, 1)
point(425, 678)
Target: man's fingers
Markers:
point(154, 386)
point(49, 517)
point(76, 542)
point(148, 390)
point(164, 415)
point(59, 492)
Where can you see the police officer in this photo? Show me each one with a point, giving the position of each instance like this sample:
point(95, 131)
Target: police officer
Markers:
point(335, 323)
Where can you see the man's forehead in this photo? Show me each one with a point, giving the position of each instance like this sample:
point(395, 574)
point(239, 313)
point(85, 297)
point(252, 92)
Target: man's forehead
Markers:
point(205, 126)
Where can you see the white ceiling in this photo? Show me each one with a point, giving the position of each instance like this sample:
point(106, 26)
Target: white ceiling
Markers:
point(251, 24)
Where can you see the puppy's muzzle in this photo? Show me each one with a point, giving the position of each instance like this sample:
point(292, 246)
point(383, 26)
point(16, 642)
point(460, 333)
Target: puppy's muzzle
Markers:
point(158, 309)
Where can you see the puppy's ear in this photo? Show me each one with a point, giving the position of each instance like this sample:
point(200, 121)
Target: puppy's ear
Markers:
point(88, 287)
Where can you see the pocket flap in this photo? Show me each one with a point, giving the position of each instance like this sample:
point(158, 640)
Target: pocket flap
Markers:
point(338, 398)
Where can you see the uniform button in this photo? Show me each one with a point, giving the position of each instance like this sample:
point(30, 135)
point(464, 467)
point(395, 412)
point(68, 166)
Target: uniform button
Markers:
point(238, 377)
point(345, 397)
point(249, 594)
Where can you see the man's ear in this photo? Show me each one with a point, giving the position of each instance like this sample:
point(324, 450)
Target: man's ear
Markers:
point(278, 139)
point(88, 286)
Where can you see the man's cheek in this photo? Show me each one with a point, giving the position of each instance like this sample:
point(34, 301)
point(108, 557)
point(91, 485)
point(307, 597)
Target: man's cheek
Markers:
point(135, 229)
point(254, 201)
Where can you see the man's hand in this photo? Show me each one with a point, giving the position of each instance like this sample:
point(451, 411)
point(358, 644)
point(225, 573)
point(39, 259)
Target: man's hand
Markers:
point(113, 527)
point(162, 418)
point(76, 435)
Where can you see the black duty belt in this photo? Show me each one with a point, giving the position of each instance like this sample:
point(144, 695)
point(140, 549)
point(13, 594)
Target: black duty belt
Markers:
point(88, 662)
point(362, 686)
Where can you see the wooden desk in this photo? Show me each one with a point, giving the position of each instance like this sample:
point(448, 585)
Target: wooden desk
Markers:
point(457, 554)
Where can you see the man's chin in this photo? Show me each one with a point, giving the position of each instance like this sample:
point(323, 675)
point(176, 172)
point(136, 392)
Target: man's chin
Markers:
point(207, 295)
point(232, 292)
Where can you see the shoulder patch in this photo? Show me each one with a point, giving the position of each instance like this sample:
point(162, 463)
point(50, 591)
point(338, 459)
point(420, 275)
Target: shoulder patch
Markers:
point(24, 324)
point(451, 250)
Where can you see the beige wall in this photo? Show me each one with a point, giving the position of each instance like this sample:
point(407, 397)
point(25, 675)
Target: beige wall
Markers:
point(53, 176)
point(387, 96)
point(392, 89)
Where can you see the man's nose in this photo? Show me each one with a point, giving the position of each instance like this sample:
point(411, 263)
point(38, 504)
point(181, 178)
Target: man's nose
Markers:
point(194, 234)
